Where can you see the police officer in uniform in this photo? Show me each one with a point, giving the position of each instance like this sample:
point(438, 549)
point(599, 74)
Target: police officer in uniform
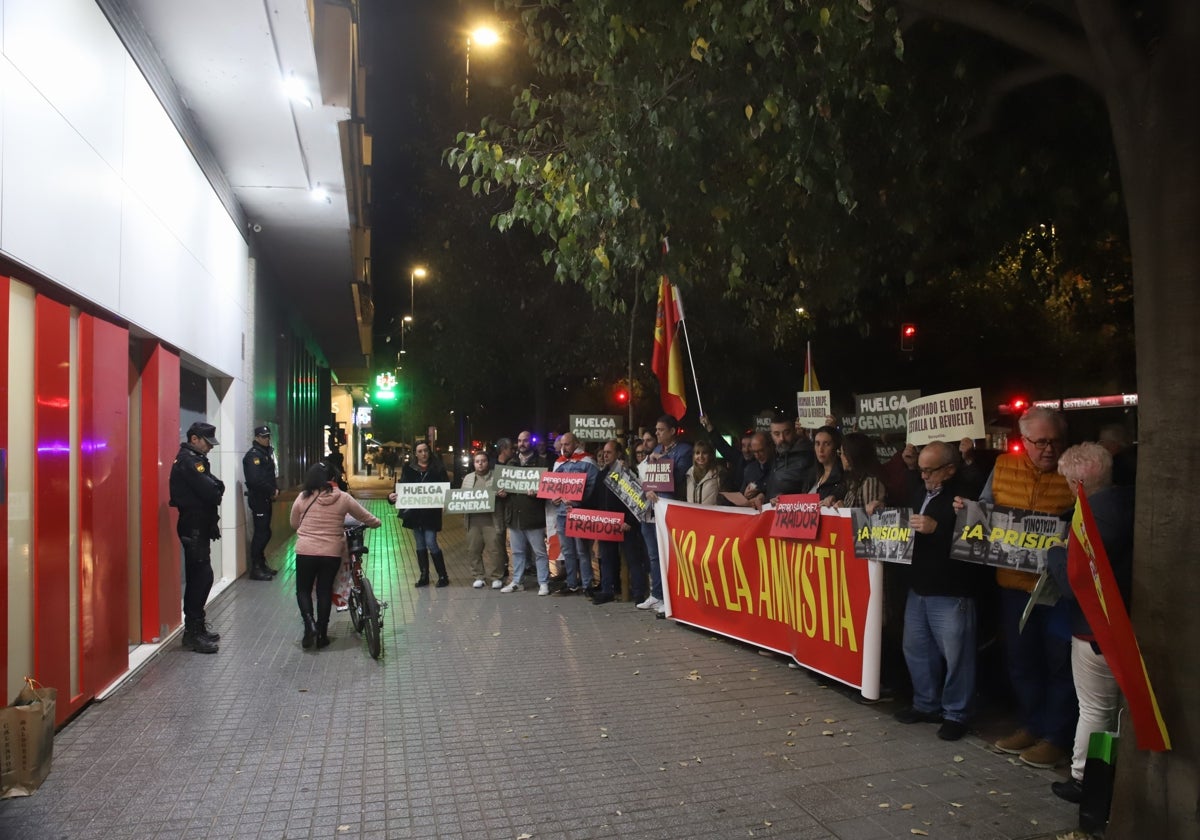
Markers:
point(197, 493)
point(258, 466)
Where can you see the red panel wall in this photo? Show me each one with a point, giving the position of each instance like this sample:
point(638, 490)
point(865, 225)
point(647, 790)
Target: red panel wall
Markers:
point(51, 500)
point(103, 500)
point(162, 587)
point(4, 485)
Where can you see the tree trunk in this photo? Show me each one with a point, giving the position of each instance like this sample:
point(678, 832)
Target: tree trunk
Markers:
point(1156, 126)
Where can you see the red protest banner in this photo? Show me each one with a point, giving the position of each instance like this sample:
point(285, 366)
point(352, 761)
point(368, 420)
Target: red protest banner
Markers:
point(797, 516)
point(596, 524)
point(569, 486)
point(812, 600)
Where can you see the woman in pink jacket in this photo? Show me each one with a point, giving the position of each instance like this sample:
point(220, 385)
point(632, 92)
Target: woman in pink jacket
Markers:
point(319, 517)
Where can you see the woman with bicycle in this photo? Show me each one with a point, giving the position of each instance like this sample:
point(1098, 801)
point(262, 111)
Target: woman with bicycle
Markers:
point(319, 516)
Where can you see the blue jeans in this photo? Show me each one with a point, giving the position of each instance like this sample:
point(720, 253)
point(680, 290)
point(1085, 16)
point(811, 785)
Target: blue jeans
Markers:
point(426, 539)
point(650, 538)
point(1039, 665)
point(939, 647)
point(533, 539)
point(576, 556)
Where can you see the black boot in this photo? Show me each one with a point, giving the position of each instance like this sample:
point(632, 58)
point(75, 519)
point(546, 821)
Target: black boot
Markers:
point(322, 634)
point(197, 639)
point(423, 565)
point(310, 631)
point(258, 571)
point(439, 563)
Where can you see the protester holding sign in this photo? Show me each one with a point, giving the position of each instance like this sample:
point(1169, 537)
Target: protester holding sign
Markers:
point(424, 522)
point(1089, 467)
point(525, 517)
point(610, 552)
point(576, 553)
point(667, 446)
point(1039, 657)
point(481, 528)
point(940, 615)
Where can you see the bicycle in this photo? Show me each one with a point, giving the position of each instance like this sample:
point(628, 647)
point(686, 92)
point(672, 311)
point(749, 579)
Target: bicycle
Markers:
point(365, 609)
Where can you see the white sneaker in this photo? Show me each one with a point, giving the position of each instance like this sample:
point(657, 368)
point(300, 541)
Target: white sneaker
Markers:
point(478, 584)
point(496, 584)
point(543, 589)
point(514, 587)
point(660, 608)
point(649, 604)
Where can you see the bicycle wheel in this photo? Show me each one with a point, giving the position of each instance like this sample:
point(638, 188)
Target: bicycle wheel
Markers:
point(356, 610)
point(371, 620)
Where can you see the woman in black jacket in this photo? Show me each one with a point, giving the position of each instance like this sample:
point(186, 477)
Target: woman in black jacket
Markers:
point(424, 522)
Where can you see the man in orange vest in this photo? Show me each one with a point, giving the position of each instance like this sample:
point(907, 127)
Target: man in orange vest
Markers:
point(1039, 657)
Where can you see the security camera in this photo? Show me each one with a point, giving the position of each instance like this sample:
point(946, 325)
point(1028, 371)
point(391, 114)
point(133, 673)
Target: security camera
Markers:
point(256, 227)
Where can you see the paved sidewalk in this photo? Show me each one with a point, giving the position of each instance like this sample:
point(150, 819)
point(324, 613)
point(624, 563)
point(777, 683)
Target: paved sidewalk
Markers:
point(504, 716)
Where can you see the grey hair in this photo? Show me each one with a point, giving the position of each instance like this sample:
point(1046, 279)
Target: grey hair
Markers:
point(1088, 463)
point(1037, 413)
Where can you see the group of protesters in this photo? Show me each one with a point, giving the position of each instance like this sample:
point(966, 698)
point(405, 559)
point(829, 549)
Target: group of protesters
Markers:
point(1063, 689)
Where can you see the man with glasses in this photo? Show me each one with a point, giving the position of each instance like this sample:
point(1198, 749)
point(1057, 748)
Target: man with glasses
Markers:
point(940, 613)
point(758, 470)
point(1039, 657)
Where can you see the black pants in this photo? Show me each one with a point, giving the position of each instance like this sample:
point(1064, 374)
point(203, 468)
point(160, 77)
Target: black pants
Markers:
point(322, 570)
point(260, 512)
point(197, 573)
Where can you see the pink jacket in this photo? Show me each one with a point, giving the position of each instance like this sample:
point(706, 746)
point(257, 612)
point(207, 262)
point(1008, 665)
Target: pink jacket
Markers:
point(319, 522)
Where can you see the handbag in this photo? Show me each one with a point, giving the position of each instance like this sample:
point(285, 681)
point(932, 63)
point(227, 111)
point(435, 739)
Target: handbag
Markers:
point(27, 739)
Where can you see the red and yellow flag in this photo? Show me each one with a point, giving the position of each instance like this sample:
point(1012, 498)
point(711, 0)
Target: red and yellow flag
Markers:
point(810, 373)
point(1096, 591)
point(667, 361)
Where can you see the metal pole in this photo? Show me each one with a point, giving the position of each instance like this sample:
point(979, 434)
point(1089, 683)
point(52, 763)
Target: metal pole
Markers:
point(467, 86)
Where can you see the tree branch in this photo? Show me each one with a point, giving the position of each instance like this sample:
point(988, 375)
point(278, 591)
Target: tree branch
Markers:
point(1118, 58)
point(1019, 30)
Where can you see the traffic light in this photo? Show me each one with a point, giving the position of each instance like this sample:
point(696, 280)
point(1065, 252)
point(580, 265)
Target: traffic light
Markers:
point(620, 394)
point(908, 337)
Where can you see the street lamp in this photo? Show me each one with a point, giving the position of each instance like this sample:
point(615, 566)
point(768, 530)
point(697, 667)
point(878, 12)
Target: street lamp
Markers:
point(419, 271)
point(484, 36)
point(403, 328)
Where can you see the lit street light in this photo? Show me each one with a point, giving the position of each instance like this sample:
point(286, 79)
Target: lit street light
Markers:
point(484, 36)
point(419, 271)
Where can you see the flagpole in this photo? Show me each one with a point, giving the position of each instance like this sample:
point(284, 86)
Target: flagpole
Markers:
point(692, 362)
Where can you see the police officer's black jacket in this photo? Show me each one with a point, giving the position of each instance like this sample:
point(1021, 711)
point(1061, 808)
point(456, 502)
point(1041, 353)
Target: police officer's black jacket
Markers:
point(258, 466)
point(195, 491)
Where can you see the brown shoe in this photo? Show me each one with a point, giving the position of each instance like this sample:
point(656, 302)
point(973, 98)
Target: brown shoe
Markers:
point(1016, 743)
point(1044, 755)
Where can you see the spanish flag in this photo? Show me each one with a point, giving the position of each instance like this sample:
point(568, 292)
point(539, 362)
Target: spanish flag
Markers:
point(1095, 589)
point(667, 361)
point(810, 374)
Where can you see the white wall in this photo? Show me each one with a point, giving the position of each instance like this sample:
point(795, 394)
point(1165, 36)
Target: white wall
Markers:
point(99, 194)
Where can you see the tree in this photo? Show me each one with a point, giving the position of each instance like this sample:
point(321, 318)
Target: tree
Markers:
point(738, 123)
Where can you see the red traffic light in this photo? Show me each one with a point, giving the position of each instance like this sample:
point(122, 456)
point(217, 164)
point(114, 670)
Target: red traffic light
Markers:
point(622, 396)
point(909, 330)
point(908, 335)
point(1019, 404)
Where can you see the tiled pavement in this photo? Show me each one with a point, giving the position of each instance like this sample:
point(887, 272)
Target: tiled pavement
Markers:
point(504, 716)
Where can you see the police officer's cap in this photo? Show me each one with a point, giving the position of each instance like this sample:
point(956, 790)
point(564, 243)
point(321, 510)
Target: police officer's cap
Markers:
point(205, 431)
point(262, 431)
